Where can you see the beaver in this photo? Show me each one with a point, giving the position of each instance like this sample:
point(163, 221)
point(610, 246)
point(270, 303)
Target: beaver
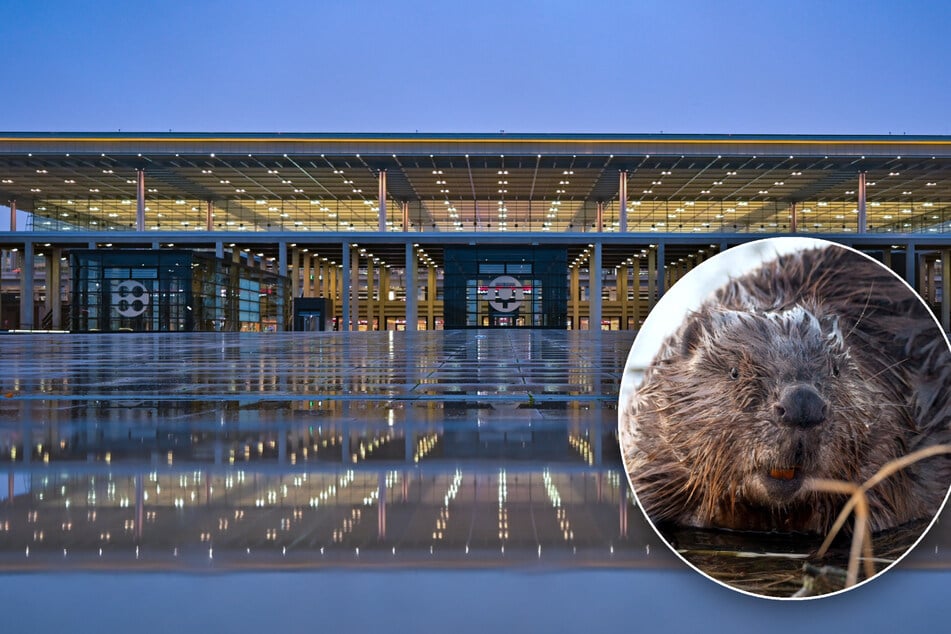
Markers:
point(818, 364)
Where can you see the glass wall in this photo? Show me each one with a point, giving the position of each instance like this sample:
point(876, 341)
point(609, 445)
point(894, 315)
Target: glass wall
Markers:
point(487, 287)
point(173, 291)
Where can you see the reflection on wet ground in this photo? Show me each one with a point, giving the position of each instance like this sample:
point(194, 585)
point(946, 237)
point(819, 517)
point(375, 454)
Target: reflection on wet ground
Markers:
point(184, 451)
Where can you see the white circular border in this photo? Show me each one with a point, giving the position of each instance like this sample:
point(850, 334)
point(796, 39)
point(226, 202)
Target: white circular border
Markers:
point(687, 295)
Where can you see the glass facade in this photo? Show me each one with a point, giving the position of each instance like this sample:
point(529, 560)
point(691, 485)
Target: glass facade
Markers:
point(173, 291)
point(492, 287)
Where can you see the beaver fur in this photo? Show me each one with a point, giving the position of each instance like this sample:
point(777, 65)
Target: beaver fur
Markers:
point(818, 364)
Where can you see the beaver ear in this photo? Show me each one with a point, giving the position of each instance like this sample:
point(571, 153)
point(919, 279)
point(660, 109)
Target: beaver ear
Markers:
point(693, 334)
point(830, 328)
point(706, 324)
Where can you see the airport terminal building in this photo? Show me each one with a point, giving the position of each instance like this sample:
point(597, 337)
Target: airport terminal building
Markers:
point(449, 447)
point(274, 232)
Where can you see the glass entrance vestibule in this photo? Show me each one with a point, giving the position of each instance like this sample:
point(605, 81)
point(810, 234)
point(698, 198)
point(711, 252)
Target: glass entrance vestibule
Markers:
point(136, 290)
point(505, 287)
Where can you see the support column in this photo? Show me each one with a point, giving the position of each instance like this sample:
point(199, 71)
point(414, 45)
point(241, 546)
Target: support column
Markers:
point(946, 290)
point(305, 264)
point(594, 283)
point(925, 283)
point(209, 216)
point(384, 294)
point(53, 298)
point(282, 301)
point(345, 288)
point(431, 299)
point(333, 281)
point(911, 258)
point(622, 201)
point(861, 219)
point(599, 218)
point(370, 285)
point(320, 278)
point(651, 279)
point(57, 304)
point(140, 200)
point(405, 206)
point(622, 294)
point(661, 268)
point(574, 296)
point(13, 215)
point(410, 285)
point(636, 287)
point(26, 288)
point(793, 218)
point(382, 201)
point(355, 290)
point(294, 271)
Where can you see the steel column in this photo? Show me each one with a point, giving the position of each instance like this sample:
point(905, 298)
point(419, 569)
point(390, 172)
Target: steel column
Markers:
point(622, 201)
point(140, 200)
point(861, 219)
point(410, 274)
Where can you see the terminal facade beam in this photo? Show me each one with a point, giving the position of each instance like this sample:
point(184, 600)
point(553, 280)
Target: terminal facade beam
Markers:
point(384, 294)
point(651, 278)
point(13, 215)
point(371, 272)
point(431, 298)
point(26, 288)
point(382, 200)
point(911, 259)
point(354, 289)
point(411, 293)
point(345, 290)
point(140, 200)
point(946, 290)
point(594, 277)
point(54, 304)
point(862, 224)
point(622, 201)
point(574, 297)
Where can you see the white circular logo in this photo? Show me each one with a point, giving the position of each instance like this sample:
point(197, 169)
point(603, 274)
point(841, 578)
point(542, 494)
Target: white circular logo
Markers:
point(130, 298)
point(505, 294)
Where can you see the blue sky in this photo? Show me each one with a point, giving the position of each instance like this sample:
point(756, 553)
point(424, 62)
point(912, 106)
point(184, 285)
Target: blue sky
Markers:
point(313, 66)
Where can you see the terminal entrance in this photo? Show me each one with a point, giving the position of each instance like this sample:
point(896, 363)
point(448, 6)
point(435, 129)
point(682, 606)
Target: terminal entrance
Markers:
point(493, 287)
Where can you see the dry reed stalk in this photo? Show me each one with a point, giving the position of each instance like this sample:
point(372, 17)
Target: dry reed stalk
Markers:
point(858, 501)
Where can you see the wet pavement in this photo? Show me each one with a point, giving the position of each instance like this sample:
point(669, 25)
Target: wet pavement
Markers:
point(462, 449)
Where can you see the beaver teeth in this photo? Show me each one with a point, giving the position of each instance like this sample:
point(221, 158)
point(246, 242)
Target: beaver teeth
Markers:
point(782, 474)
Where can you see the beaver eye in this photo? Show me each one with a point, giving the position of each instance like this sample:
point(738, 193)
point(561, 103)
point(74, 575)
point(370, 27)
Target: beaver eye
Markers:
point(835, 369)
point(734, 373)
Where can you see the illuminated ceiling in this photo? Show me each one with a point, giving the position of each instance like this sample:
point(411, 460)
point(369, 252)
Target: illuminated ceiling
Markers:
point(478, 182)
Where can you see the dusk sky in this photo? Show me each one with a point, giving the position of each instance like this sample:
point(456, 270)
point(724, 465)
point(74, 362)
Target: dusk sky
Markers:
point(331, 66)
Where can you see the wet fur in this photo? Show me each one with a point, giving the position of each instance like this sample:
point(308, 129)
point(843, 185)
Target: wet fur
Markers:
point(698, 442)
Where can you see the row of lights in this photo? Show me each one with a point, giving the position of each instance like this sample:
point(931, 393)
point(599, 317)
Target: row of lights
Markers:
point(442, 520)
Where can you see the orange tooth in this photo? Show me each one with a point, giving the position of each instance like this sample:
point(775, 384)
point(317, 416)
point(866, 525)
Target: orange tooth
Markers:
point(782, 474)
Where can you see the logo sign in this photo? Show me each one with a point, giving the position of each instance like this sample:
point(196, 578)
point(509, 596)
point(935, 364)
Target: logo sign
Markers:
point(505, 294)
point(131, 298)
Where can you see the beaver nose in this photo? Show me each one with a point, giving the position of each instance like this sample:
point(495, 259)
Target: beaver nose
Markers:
point(801, 406)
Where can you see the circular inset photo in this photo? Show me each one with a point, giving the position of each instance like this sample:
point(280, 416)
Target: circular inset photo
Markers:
point(785, 416)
